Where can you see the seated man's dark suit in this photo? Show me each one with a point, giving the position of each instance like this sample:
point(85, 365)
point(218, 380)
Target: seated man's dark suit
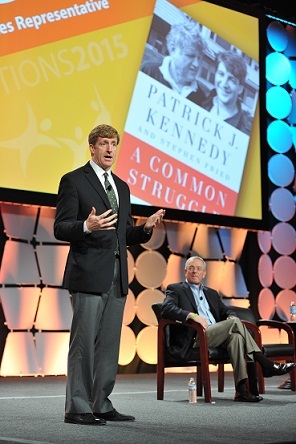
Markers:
point(228, 333)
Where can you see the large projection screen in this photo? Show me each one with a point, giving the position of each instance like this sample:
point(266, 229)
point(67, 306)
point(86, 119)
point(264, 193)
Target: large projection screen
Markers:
point(67, 67)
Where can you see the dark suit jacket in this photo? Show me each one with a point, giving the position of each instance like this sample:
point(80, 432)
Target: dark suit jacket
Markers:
point(90, 263)
point(178, 303)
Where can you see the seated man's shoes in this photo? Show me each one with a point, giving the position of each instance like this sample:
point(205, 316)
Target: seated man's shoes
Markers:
point(278, 369)
point(83, 419)
point(246, 397)
point(114, 415)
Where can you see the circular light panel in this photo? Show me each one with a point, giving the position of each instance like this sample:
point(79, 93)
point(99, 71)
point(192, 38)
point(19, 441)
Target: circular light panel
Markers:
point(279, 136)
point(278, 68)
point(277, 36)
point(282, 204)
point(278, 102)
point(280, 170)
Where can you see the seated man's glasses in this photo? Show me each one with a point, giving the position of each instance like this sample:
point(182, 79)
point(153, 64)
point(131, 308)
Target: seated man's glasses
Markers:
point(192, 268)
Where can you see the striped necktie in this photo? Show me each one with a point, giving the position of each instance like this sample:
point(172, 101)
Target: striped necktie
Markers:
point(111, 194)
point(113, 202)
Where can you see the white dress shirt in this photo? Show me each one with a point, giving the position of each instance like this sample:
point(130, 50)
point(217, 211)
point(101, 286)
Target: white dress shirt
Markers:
point(100, 173)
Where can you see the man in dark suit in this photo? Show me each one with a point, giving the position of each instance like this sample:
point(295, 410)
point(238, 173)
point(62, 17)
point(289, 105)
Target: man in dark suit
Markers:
point(93, 214)
point(191, 300)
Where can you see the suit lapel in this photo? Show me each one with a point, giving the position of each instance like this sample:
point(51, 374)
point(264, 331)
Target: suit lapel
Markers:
point(95, 182)
point(189, 295)
point(210, 300)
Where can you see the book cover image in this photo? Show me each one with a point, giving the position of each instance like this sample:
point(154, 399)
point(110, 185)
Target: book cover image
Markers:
point(187, 132)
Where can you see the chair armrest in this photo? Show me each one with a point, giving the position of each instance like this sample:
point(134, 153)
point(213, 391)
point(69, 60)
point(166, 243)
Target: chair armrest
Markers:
point(280, 326)
point(198, 327)
point(201, 331)
point(256, 332)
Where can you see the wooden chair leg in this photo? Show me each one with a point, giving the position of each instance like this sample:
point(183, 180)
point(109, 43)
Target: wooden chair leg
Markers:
point(293, 380)
point(206, 383)
point(207, 386)
point(260, 377)
point(160, 364)
point(221, 377)
point(160, 382)
point(198, 381)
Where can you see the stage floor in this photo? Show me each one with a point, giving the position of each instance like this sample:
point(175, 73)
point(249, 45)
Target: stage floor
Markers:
point(31, 411)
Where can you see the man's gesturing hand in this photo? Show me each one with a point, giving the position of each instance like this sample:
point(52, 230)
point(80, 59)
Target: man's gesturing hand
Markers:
point(104, 221)
point(154, 220)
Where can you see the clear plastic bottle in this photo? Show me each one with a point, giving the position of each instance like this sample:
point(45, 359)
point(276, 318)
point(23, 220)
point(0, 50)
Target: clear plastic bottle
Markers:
point(292, 312)
point(192, 391)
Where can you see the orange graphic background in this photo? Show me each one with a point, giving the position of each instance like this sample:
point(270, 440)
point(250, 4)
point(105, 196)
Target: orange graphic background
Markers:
point(118, 12)
point(129, 145)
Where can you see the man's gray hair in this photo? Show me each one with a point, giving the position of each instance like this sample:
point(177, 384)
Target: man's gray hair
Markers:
point(192, 258)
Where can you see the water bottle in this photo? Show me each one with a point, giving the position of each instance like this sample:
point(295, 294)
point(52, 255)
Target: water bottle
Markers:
point(292, 312)
point(192, 391)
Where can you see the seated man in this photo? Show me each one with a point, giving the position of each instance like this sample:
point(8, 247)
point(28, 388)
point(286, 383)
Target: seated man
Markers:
point(191, 300)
